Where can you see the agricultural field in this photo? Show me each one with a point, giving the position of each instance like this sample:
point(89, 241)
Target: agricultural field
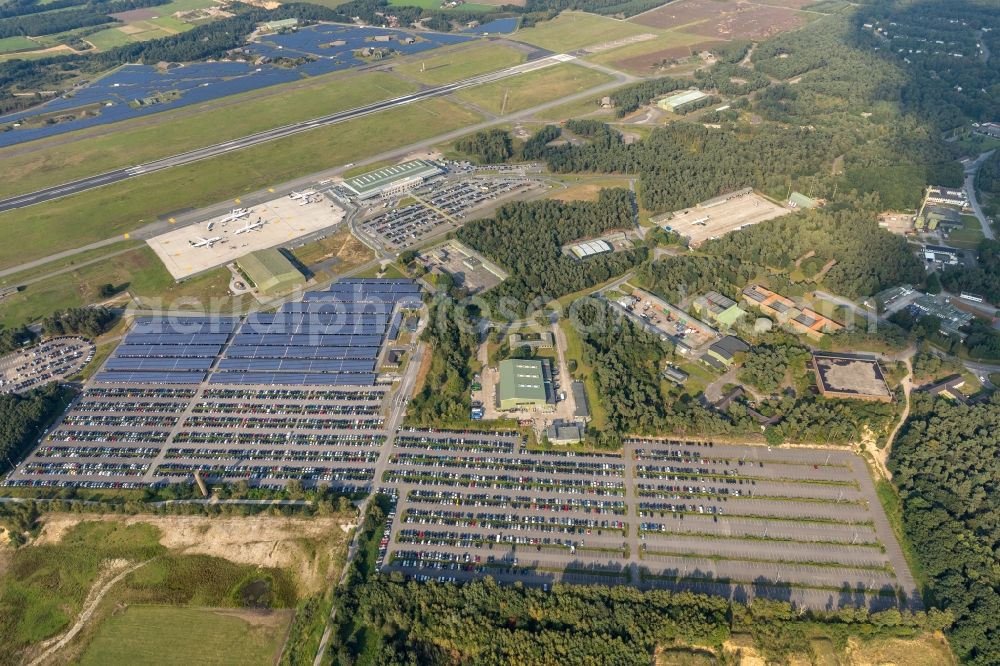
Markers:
point(174, 568)
point(16, 43)
point(123, 207)
point(527, 90)
point(183, 636)
point(452, 64)
point(738, 20)
point(574, 30)
point(51, 161)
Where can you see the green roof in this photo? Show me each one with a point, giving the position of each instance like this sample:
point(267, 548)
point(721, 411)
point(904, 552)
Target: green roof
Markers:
point(270, 271)
point(522, 382)
point(802, 201)
point(730, 315)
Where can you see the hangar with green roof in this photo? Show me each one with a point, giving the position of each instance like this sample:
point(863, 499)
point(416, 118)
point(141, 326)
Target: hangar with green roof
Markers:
point(525, 384)
point(393, 180)
point(270, 271)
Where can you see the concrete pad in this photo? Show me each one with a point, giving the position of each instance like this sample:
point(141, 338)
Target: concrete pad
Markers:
point(284, 219)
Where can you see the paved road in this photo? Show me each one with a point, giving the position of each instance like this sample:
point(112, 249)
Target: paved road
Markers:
point(970, 189)
point(118, 175)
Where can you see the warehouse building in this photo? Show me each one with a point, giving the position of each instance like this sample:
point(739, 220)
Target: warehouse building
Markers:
point(270, 271)
point(850, 376)
point(722, 353)
point(679, 100)
point(947, 196)
point(721, 309)
point(525, 384)
point(590, 248)
point(392, 181)
point(952, 319)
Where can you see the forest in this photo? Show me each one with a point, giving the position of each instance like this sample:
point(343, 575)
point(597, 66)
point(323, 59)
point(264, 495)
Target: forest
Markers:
point(944, 464)
point(15, 338)
point(90, 322)
point(983, 279)
point(526, 238)
point(23, 415)
point(766, 365)
point(444, 396)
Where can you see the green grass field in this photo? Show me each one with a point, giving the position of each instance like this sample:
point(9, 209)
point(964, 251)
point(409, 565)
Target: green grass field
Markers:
point(453, 64)
point(184, 636)
point(139, 269)
point(527, 90)
point(574, 350)
point(102, 213)
point(629, 57)
point(574, 30)
point(15, 44)
point(109, 38)
point(178, 131)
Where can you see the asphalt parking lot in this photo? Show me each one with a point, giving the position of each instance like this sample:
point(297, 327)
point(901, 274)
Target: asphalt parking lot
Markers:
point(53, 360)
point(805, 526)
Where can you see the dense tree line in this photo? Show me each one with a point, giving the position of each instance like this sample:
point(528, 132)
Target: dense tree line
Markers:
point(944, 464)
point(49, 23)
point(988, 176)
point(729, 79)
point(90, 322)
point(684, 163)
point(444, 397)
point(491, 146)
point(526, 238)
point(23, 415)
point(15, 338)
point(766, 365)
point(623, 8)
point(676, 277)
point(868, 257)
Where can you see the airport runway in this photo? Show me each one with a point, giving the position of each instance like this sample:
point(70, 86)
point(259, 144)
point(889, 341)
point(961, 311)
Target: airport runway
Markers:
point(124, 173)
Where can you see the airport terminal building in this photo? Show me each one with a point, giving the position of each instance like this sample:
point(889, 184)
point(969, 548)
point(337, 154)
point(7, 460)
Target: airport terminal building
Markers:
point(391, 181)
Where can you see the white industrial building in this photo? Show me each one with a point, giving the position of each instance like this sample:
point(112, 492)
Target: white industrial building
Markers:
point(590, 248)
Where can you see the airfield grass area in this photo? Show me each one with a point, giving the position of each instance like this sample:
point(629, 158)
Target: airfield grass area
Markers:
point(527, 90)
point(15, 43)
point(461, 62)
point(138, 271)
point(574, 30)
point(183, 636)
point(98, 214)
point(641, 57)
point(53, 161)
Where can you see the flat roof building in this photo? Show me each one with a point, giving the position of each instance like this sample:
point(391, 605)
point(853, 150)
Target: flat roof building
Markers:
point(947, 196)
point(722, 353)
point(270, 271)
point(525, 384)
point(565, 432)
point(679, 100)
point(390, 181)
point(851, 376)
point(799, 200)
point(952, 319)
point(542, 340)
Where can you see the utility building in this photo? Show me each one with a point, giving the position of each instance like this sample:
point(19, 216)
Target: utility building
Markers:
point(391, 181)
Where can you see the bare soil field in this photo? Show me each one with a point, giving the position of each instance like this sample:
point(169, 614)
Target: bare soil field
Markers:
point(650, 61)
point(143, 14)
point(739, 20)
point(266, 541)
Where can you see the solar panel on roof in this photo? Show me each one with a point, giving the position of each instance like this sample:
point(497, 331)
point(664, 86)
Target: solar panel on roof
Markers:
point(295, 365)
point(252, 351)
point(176, 339)
point(293, 379)
point(154, 351)
point(397, 320)
point(176, 364)
point(182, 327)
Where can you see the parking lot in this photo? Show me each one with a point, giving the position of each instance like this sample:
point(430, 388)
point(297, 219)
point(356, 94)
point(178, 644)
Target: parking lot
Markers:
point(440, 203)
point(53, 360)
point(742, 521)
point(719, 216)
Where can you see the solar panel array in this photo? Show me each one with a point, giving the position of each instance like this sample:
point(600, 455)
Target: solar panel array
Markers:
point(168, 350)
point(330, 337)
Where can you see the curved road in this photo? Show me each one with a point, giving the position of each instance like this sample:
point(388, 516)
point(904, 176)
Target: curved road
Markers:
point(124, 173)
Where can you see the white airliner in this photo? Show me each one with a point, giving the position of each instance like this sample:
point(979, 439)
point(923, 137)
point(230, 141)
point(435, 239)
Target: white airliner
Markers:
point(234, 214)
point(205, 242)
point(250, 226)
point(304, 194)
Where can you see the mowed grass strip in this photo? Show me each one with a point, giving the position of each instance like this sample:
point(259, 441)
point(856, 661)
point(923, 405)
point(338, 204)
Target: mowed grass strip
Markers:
point(185, 636)
point(574, 30)
point(527, 90)
point(55, 163)
point(63, 224)
point(461, 62)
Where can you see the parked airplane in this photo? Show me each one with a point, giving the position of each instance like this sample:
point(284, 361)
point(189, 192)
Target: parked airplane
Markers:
point(250, 226)
point(235, 214)
point(205, 242)
point(304, 194)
